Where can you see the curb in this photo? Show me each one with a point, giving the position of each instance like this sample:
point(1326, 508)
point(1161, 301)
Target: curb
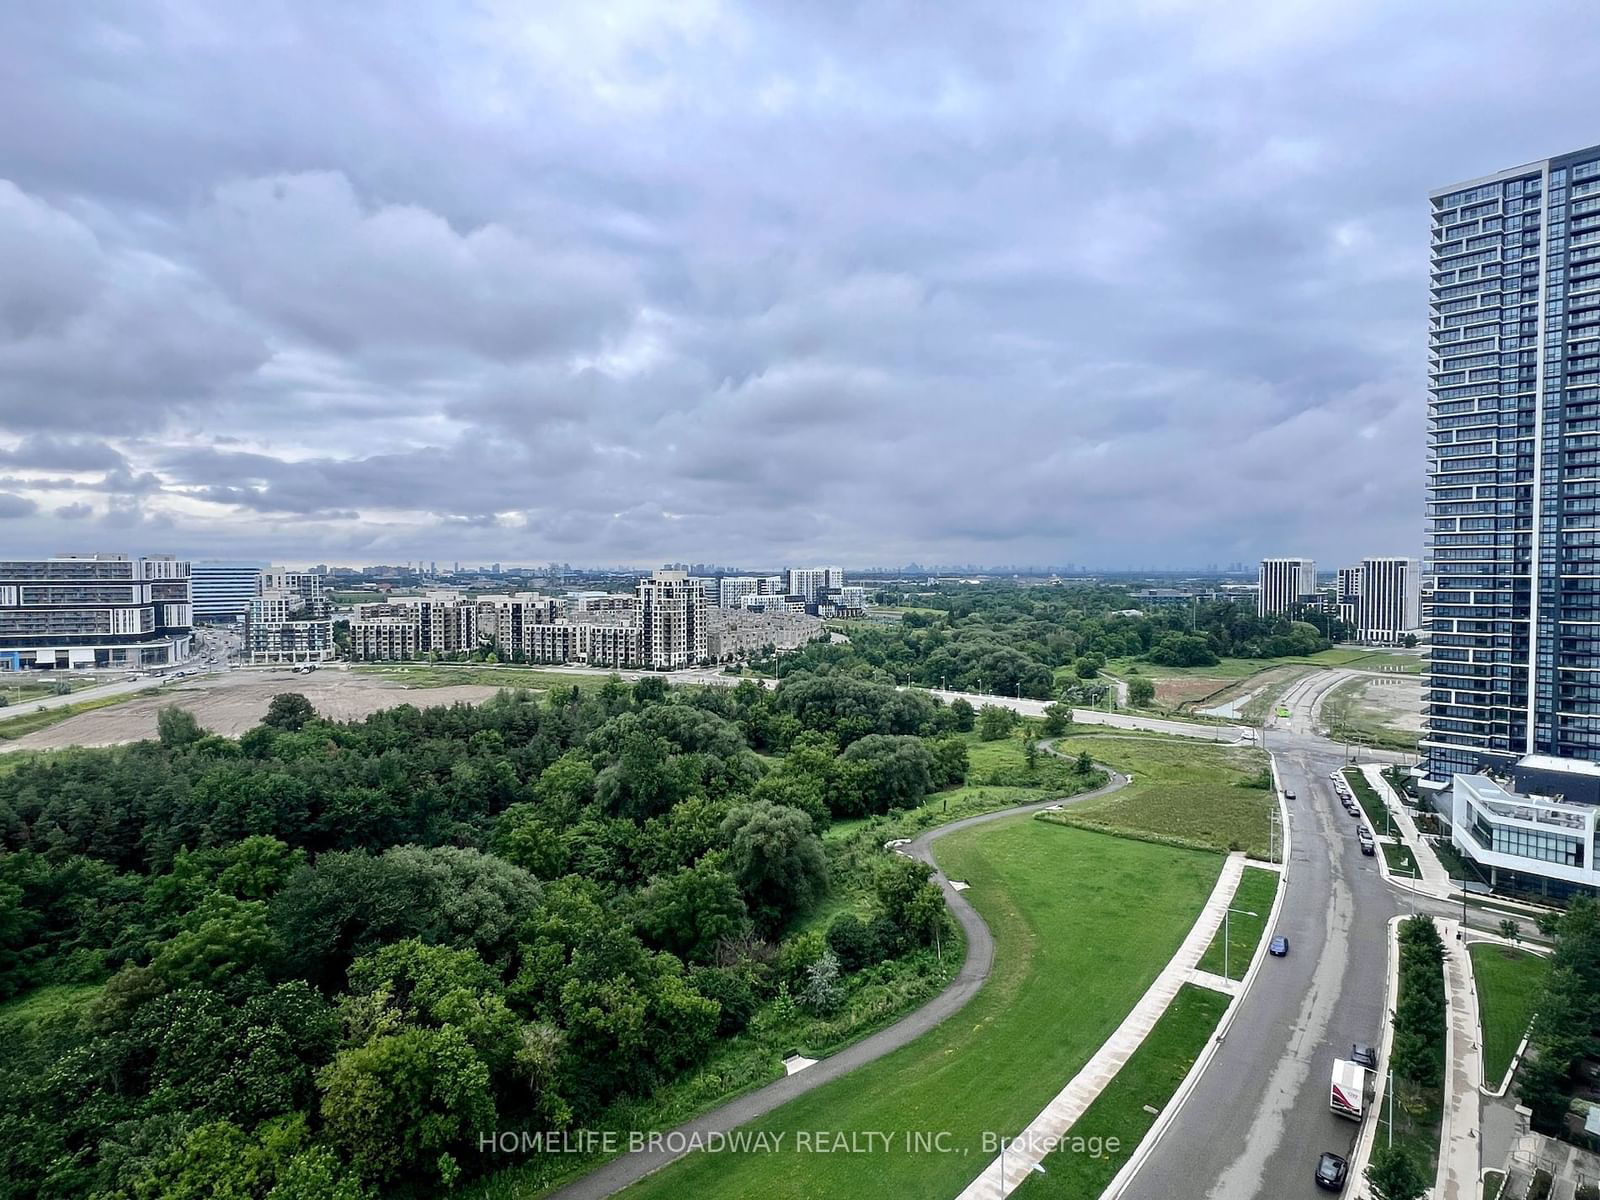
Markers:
point(1174, 1105)
point(1369, 1129)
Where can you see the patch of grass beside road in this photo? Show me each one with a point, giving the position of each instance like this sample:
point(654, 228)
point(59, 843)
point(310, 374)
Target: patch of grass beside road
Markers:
point(32, 722)
point(1509, 982)
point(1073, 955)
point(1148, 1079)
point(1183, 791)
point(1256, 891)
point(1400, 860)
point(1371, 803)
point(432, 675)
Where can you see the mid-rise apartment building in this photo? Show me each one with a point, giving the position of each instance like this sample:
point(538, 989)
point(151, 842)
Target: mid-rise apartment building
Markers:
point(672, 620)
point(1283, 584)
point(85, 611)
point(807, 582)
point(1389, 604)
point(289, 619)
point(1513, 488)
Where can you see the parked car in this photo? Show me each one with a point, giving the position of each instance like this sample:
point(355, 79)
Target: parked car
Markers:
point(1368, 847)
point(1331, 1172)
point(1278, 947)
point(1364, 1054)
point(1287, 794)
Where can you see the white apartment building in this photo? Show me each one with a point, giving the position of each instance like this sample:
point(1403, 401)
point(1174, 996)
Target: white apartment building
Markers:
point(1390, 602)
point(672, 620)
point(595, 644)
point(83, 611)
point(288, 621)
point(732, 589)
point(806, 582)
point(1285, 583)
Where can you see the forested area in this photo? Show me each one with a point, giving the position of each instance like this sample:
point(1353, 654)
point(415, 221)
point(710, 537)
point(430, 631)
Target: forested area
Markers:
point(1565, 1038)
point(322, 959)
point(1010, 640)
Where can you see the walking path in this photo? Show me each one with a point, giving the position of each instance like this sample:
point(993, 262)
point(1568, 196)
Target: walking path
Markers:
point(1463, 1071)
point(628, 1169)
point(1007, 1171)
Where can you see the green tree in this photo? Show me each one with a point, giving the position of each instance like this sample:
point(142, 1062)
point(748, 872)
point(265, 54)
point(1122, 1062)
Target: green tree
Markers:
point(898, 771)
point(403, 1105)
point(1141, 692)
point(1088, 666)
point(1394, 1176)
point(1057, 719)
point(177, 728)
point(289, 711)
point(690, 911)
point(777, 861)
point(963, 715)
point(995, 722)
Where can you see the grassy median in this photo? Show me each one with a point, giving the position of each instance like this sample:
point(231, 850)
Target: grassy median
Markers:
point(1082, 924)
point(1257, 889)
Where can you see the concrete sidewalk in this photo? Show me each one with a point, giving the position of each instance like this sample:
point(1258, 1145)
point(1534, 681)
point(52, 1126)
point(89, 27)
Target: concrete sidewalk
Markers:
point(1463, 1072)
point(1070, 1103)
point(1435, 879)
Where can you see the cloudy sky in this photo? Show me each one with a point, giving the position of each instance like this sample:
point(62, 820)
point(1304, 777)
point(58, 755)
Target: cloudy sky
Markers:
point(1118, 283)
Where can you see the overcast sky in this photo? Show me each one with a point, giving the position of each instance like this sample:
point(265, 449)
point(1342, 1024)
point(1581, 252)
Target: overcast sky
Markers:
point(1114, 283)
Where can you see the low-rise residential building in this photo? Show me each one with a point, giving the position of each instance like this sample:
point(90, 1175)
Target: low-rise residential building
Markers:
point(733, 634)
point(288, 621)
point(1531, 828)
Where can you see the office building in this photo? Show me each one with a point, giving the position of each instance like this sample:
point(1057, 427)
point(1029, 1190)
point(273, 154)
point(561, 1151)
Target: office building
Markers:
point(85, 611)
point(289, 620)
point(223, 590)
point(806, 582)
point(1284, 584)
point(1389, 605)
point(672, 620)
point(1513, 505)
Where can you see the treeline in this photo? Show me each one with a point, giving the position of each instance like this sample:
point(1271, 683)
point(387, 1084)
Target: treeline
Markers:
point(1010, 641)
point(321, 959)
point(1566, 1023)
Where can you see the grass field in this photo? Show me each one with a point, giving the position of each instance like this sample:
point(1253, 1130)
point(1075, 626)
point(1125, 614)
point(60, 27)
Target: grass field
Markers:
point(1191, 792)
point(424, 675)
point(1057, 902)
point(32, 722)
point(1509, 982)
point(1257, 890)
point(1119, 1114)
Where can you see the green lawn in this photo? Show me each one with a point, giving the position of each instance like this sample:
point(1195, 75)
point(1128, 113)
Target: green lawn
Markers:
point(1400, 859)
point(1073, 953)
point(1509, 981)
point(1256, 892)
point(1493, 1181)
point(1182, 789)
point(1114, 1124)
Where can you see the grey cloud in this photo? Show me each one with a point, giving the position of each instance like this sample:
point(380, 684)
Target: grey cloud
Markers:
point(746, 284)
point(74, 512)
point(13, 506)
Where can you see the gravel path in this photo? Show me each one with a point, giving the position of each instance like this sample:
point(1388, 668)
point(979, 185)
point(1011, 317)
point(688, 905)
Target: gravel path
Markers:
point(630, 1168)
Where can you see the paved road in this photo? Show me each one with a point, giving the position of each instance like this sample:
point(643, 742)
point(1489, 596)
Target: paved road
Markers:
point(1259, 1116)
point(630, 1168)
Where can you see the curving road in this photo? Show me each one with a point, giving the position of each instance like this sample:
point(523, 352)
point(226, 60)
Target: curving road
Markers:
point(628, 1169)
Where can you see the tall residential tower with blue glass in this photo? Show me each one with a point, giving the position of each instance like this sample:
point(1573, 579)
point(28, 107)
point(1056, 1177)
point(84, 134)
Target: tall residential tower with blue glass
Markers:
point(1513, 507)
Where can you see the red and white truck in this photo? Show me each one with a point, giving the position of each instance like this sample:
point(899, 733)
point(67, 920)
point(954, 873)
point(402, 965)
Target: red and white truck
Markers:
point(1348, 1094)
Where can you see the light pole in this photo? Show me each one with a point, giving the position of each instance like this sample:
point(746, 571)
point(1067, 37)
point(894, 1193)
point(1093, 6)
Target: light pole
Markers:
point(1243, 912)
point(1039, 1167)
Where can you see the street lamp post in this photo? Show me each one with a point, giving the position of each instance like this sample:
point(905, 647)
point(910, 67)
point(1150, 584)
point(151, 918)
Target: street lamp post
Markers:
point(1039, 1167)
point(1243, 912)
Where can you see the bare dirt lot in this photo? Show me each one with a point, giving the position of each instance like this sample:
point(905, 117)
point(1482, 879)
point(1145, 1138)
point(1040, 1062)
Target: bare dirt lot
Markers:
point(232, 703)
point(1395, 702)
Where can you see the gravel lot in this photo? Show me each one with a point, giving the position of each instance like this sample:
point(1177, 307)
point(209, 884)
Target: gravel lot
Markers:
point(236, 701)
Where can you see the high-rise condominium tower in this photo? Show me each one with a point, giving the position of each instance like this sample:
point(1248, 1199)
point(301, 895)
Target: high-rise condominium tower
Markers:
point(1513, 509)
